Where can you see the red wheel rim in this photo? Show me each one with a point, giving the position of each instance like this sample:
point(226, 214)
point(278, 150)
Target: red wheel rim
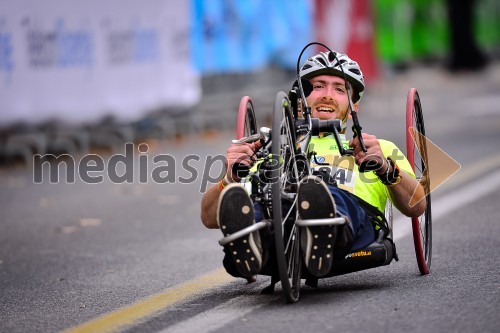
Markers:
point(410, 150)
point(245, 125)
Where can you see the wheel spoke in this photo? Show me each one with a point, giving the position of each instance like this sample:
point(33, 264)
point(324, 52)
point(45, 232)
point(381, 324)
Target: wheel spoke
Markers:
point(292, 233)
point(422, 229)
point(292, 255)
point(247, 130)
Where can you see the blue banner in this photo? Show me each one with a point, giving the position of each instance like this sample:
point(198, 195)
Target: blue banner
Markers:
point(245, 35)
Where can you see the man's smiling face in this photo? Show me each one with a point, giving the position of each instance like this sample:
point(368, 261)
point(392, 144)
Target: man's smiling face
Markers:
point(328, 99)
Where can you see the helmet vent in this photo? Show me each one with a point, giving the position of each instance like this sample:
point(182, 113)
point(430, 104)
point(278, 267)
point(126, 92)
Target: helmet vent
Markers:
point(306, 66)
point(355, 71)
point(322, 61)
point(331, 56)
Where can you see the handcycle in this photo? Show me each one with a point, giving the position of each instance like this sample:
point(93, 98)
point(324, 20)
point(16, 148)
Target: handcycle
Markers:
point(284, 162)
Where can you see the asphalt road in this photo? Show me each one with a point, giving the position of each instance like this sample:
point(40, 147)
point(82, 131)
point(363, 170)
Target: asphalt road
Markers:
point(72, 252)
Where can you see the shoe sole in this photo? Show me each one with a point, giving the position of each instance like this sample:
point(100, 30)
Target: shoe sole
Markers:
point(316, 202)
point(235, 212)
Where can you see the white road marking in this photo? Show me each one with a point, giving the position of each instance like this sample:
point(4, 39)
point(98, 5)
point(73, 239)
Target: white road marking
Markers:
point(457, 199)
point(216, 318)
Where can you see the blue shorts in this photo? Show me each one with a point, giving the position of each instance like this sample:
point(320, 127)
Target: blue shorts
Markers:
point(361, 225)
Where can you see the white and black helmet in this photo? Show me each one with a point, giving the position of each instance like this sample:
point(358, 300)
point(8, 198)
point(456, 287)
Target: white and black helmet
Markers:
point(326, 63)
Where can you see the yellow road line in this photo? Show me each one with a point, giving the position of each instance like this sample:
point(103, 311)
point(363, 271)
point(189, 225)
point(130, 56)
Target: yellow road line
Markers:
point(115, 320)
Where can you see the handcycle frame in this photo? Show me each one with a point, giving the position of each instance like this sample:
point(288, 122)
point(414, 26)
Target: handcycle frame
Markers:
point(284, 162)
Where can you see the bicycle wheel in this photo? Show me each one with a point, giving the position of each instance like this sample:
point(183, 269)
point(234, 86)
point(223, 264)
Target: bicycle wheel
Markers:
point(246, 124)
point(422, 225)
point(284, 186)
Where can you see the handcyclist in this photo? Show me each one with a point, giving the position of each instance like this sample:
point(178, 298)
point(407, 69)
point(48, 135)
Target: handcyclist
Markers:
point(336, 188)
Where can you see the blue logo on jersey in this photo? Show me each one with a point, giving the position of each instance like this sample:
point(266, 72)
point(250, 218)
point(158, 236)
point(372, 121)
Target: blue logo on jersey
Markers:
point(320, 159)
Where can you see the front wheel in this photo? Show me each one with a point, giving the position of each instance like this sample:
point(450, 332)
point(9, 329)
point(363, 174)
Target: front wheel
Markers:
point(416, 149)
point(284, 187)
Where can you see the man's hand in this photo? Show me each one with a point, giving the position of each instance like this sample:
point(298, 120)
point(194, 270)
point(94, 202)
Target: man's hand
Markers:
point(243, 153)
point(373, 157)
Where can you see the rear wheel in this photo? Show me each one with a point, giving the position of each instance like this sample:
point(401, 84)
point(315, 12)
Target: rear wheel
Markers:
point(284, 187)
point(416, 149)
point(246, 124)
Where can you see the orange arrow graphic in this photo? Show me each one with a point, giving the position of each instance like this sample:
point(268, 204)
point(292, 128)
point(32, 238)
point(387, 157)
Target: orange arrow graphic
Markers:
point(438, 166)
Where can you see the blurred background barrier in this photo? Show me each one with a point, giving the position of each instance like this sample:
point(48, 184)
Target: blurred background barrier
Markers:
point(245, 36)
point(421, 30)
point(77, 61)
point(351, 32)
point(76, 75)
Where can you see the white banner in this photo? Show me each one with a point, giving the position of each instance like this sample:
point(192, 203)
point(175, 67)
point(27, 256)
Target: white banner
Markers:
point(77, 61)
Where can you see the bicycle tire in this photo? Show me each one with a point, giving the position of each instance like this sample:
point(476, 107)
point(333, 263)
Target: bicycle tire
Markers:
point(422, 225)
point(286, 235)
point(246, 124)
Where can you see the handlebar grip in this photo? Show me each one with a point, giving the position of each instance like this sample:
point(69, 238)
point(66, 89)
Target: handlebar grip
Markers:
point(240, 170)
point(249, 139)
point(330, 125)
